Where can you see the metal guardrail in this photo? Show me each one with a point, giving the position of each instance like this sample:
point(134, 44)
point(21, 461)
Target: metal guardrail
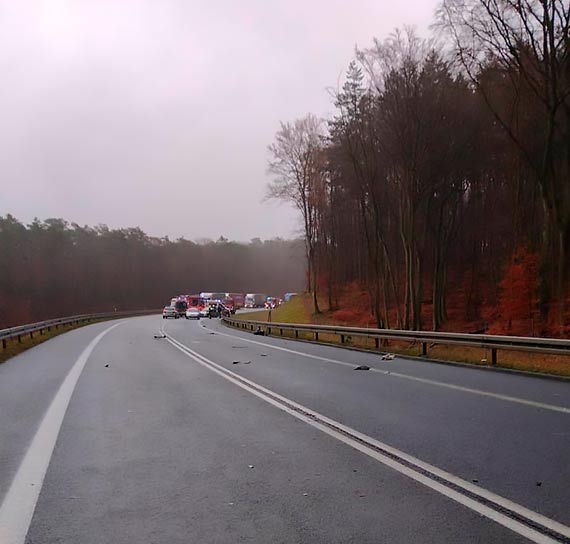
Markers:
point(554, 346)
point(41, 326)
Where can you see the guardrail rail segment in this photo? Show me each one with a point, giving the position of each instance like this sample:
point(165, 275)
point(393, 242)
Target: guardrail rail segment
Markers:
point(494, 343)
point(41, 326)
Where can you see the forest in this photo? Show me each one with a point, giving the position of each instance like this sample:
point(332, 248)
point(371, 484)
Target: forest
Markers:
point(438, 194)
point(52, 268)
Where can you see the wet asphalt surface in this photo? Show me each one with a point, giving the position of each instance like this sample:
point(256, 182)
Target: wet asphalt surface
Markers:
point(155, 448)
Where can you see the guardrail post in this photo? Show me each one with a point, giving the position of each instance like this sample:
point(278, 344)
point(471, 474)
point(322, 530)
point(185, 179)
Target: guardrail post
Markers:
point(19, 339)
point(377, 343)
point(342, 338)
point(281, 332)
point(493, 356)
point(268, 330)
point(424, 348)
point(296, 333)
point(4, 345)
point(32, 335)
point(316, 336)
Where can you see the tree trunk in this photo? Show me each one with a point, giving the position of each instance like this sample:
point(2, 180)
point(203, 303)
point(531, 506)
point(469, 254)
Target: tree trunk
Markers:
point(377, 312)
point(314, 280)
point(316, 302)
point(435, 321)
point(309, 273)
point(385, 296)
point(408, 286)
point(561, 274)
point(417, 292)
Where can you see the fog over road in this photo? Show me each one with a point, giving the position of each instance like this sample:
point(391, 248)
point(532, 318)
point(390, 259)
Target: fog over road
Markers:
point(212, 435)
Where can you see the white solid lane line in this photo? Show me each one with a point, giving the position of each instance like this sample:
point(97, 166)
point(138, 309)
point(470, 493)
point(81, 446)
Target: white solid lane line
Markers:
point(328, 426)
point(498, 396)
point(19, 503)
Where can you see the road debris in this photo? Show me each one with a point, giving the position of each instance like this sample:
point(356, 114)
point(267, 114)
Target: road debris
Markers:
point(362, 367)
point(160, 335)
point(263, 354)
point(247, 362)
point(107, 365)
point(388, 357)
point(235, 362)
point(250, 466)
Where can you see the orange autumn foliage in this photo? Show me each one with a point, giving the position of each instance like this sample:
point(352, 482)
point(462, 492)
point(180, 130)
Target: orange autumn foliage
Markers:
point(517, 306)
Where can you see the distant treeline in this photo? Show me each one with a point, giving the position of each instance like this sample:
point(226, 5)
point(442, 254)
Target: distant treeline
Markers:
point(52, 268)
point(441, 183)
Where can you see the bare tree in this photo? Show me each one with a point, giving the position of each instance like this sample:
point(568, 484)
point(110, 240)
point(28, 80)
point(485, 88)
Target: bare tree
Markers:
point(297, 166)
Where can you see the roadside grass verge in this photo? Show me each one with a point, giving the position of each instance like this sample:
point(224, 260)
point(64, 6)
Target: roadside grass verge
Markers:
point(14, 348)
point(293, 311)
point(297, 311)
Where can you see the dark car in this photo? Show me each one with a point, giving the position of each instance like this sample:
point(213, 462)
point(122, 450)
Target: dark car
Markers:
point(181, 306)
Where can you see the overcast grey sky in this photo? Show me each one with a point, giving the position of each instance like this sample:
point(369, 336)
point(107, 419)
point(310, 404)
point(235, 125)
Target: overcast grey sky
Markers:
point(158, 113)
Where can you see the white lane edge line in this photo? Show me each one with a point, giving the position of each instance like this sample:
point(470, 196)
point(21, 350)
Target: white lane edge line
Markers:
point(508, 398)
point(458, 497)
point(498, 396)
point(19, 504)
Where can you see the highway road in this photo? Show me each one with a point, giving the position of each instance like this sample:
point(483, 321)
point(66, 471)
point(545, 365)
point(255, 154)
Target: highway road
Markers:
point(212, 435)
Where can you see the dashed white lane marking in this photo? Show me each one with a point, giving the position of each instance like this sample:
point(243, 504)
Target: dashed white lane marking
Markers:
point(498, 396)
point(19, 503)
point(370, 447)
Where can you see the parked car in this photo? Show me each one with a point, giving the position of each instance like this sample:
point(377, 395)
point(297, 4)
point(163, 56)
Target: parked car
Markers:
point(170, 311)
point(192, 313)
point(271, 302)
point(205, 311)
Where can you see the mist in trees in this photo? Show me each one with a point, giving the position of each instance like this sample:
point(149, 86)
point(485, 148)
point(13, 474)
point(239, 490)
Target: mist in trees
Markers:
point(52, 268)
point(442, 186)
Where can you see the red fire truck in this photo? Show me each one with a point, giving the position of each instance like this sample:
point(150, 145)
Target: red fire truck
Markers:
point(238, 298)
point(196, 301)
